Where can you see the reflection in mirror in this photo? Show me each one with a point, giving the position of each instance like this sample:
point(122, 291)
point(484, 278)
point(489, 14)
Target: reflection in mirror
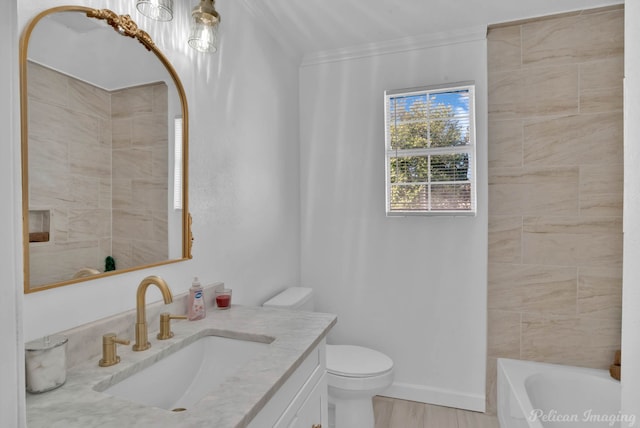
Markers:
point(98, 152)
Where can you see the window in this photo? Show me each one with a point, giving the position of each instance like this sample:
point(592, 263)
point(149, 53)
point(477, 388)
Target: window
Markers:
point(177, 163)
point(430, 151)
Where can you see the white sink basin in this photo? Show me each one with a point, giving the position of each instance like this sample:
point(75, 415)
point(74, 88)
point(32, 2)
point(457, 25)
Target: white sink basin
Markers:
point(181, 379)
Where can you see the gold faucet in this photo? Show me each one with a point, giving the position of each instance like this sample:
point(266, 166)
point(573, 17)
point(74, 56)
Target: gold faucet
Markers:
point(142, 339)
point(109, 353)
point(165, 325)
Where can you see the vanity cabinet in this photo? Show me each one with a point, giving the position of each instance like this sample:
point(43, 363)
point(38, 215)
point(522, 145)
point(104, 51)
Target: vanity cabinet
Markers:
point(301, 402)
point(310, 413)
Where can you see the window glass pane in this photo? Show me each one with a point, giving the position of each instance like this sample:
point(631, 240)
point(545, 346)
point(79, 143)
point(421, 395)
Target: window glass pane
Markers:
point(408, 124)
point(450, 167)
point(409, 197)
point(409, 169)
point(449, 118)
point(451, 197)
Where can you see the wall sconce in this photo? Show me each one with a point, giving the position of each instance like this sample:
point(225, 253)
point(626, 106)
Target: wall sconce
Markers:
point(160, 10)
point(204, 27)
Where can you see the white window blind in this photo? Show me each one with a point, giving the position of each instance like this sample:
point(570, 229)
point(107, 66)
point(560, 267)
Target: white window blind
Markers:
point(430, 151)
point(177, 164)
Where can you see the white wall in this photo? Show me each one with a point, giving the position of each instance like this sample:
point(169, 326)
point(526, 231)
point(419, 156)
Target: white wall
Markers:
point(631, 270)
point(11, 354)
point(243, 171)
point(415, 287)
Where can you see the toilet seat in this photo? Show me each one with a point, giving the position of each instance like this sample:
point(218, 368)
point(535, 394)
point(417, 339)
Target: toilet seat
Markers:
point(357, 362)
point(346, 387)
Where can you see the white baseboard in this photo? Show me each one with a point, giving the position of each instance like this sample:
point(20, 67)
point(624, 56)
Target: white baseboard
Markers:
point(437, 396)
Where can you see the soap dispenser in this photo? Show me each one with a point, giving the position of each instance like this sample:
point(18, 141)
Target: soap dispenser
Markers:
point(196, 309)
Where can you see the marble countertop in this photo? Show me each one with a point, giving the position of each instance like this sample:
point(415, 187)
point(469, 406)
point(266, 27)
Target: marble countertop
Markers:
point(232, 404)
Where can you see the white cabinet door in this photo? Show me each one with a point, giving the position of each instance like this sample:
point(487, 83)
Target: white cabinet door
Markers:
point(302, 400)
point(313, 412)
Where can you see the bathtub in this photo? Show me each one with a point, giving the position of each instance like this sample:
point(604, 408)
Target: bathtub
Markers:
point(539, 395)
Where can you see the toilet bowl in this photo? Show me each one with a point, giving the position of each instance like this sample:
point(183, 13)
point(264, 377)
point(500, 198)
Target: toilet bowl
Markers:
point(355, 374)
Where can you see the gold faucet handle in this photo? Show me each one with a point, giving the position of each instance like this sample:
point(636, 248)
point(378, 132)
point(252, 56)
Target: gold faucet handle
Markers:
point(109, 353)
point(165, 325)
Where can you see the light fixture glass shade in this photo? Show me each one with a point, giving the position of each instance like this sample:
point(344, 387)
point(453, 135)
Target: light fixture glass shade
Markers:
point(160, 10)
point(203, 36)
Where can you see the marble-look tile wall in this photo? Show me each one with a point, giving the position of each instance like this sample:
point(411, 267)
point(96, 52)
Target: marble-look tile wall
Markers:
point(140, 171)
point(555, 190)
point(69, 173)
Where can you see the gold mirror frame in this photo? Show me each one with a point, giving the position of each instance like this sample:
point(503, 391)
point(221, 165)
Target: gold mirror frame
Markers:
point(125, 26)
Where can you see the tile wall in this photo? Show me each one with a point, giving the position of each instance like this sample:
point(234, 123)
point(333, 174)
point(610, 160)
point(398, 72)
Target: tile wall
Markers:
point(69, 173)
point(140, 171)
point(98, 163)
point(555, 190)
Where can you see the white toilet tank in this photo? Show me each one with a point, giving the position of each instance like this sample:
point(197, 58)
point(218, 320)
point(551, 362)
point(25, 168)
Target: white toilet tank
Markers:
point(298, 298)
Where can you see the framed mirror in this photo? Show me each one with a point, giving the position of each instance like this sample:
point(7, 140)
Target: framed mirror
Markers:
point(104, 149)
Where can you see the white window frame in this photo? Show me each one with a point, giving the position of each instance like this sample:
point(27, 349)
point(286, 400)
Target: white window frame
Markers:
point(467, 148)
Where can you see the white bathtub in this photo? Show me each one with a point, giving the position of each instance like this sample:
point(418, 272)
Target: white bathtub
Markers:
point(539, 395)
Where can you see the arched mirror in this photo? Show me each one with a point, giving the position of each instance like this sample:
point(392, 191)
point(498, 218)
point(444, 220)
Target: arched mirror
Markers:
point(104, 149)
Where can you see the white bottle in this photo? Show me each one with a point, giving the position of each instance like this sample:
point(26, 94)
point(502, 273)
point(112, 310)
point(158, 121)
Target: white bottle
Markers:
point(196, 310)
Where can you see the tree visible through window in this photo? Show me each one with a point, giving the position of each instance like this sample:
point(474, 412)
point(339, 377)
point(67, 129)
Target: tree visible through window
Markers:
point(430, 151)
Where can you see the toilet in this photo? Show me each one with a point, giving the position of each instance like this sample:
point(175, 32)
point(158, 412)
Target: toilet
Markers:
point(354, 374)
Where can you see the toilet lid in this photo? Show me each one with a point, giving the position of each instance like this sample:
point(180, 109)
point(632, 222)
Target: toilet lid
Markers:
point(356, 361)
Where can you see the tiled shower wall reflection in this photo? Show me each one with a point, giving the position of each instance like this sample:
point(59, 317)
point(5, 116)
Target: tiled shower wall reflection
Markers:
point(98, 163)
point(140, 175)
point(69, 173)
point(555, 190)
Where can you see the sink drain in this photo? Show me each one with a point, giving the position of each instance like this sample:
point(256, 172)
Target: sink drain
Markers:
point(179, 409)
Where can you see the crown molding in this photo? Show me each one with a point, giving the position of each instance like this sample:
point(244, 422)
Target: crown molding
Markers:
point(404, 44)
